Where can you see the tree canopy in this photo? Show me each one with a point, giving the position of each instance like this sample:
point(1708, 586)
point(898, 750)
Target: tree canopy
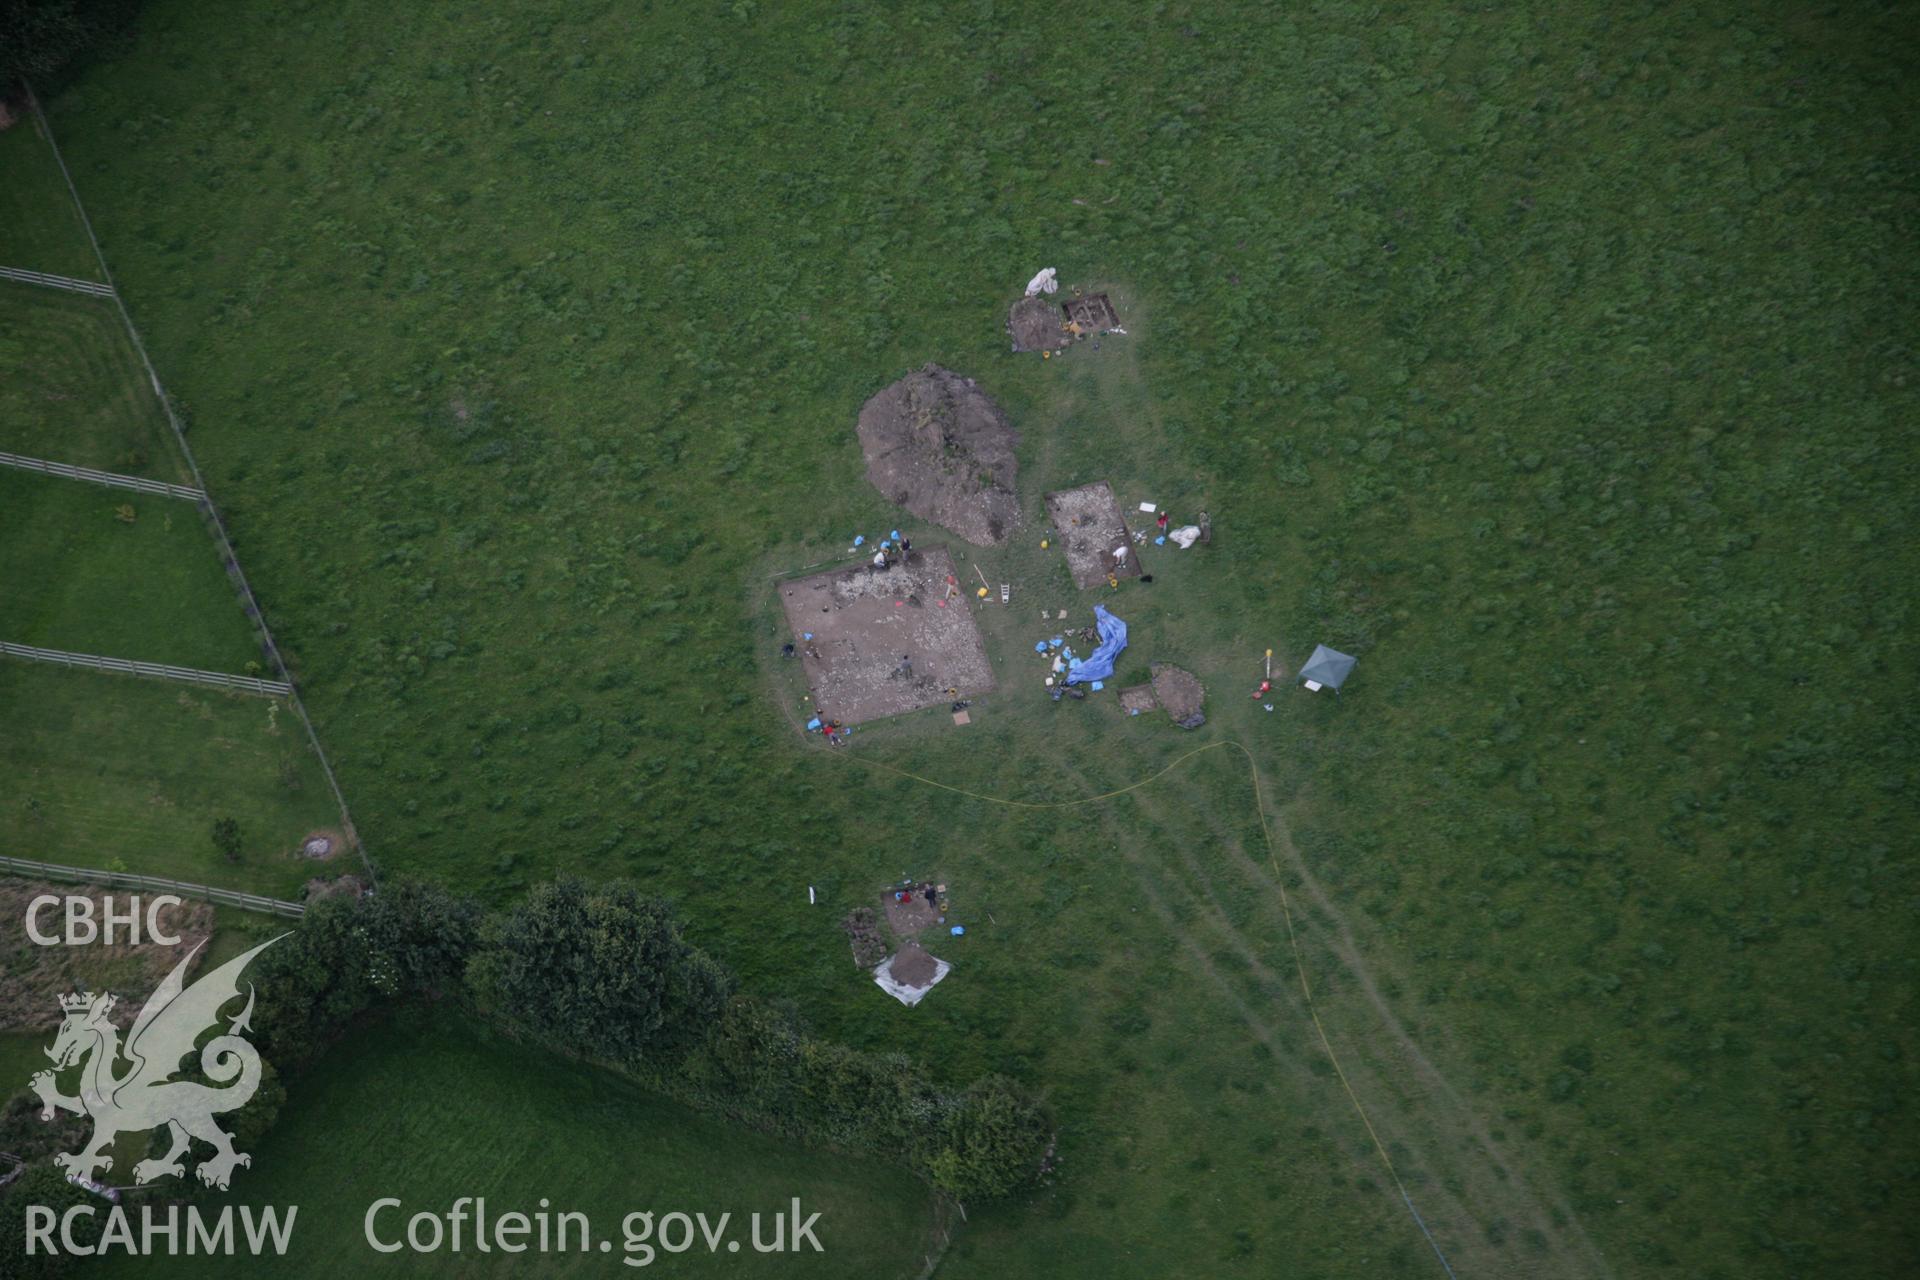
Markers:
point(42, 39)
point(600, 969)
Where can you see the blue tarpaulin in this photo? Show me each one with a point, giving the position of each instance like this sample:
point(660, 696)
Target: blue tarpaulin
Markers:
point(1098, 665)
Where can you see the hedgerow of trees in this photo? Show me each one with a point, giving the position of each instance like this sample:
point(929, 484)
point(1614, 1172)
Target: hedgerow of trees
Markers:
point(601, 972)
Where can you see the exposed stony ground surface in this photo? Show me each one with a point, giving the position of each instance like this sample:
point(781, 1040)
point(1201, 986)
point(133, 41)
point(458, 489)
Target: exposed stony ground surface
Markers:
point(913, 967)
point(888, 640)
point(1091, 529)
point(1181, 693)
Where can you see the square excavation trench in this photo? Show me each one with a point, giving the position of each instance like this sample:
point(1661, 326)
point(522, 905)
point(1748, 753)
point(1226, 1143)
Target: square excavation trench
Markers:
point(1090, 529)
point(886, 640)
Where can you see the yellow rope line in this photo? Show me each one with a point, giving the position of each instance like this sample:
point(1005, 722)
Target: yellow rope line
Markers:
point(1039, 804)
point(1286, 913)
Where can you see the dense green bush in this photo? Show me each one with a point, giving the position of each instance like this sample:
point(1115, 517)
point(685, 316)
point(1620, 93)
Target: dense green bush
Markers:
point(751, 1056)
point(25, 1134)
point(599, 970)
point(347, 955)
point(991, 1141)
point(603, 971)
point(758, 1064)
point(226, 838)
point(42, 1185)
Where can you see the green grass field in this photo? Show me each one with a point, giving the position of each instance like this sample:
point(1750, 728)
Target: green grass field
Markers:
point(1550, 359)
point(459, 1114)
point(43, 230)
point(21, 1054)
point(82, 576)
point(104, 770)
point(72, 389)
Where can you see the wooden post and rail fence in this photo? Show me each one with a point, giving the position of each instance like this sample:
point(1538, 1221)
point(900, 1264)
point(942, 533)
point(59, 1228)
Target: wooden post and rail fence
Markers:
point(32, 870)
point(282, 687)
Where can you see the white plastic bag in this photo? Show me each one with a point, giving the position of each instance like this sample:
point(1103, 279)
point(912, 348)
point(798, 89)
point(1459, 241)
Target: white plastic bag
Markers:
point(1186, 536)
point(1043, 283)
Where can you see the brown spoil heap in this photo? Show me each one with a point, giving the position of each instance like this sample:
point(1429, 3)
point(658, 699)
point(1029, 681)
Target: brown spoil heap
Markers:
point(938, 446)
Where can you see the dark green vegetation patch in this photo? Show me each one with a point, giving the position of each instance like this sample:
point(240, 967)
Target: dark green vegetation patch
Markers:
point(42, 230)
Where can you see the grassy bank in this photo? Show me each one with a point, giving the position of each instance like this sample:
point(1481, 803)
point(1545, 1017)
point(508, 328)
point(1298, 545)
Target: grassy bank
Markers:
point(72, 389)
point(465, 1114)
point(43, 229)
point(115, 772)
point(128, 575)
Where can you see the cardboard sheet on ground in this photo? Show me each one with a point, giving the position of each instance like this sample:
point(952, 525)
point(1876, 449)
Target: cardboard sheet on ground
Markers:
point(1113, 638)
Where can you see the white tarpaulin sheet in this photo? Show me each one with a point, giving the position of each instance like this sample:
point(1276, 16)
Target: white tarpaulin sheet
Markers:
point(906, 995)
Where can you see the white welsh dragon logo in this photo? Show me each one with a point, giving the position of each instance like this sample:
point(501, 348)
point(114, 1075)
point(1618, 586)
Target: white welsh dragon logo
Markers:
point(144, 1096)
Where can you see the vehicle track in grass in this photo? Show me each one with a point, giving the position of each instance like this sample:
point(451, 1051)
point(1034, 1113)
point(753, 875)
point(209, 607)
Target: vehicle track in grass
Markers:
point(1444, 1215)
point(1364, 972)
point(1399, 1067)
point(1476, 1197)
